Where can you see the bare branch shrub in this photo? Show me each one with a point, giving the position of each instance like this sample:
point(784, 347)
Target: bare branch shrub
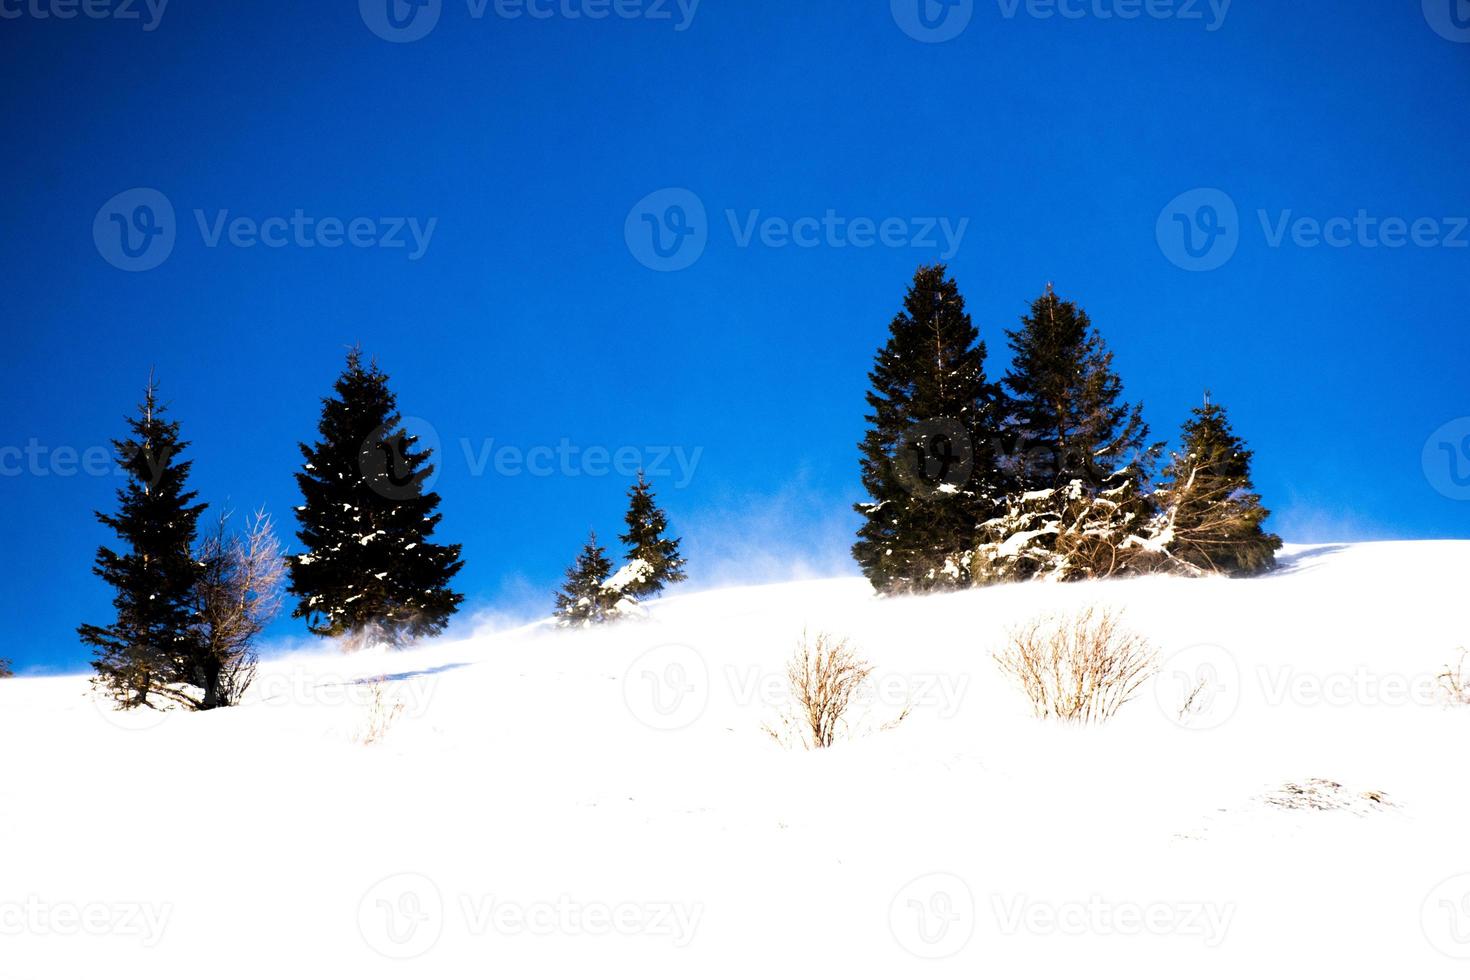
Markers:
point(382, 713)
point(237, 597)
point(1080, 668)
point(1455, 683)
point(824, 675)
point(5, 670)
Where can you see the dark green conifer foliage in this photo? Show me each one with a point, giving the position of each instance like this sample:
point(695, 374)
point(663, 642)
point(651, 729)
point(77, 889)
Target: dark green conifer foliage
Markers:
point(1066, 408)
point(647, 541)
point(370, 573)
point(583, 601)
point(152, 643)
point(928, 455)
point(1215, 514)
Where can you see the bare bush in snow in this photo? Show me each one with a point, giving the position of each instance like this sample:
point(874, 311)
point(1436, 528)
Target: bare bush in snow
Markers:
point(1455, 683)
point(5, 670)
point(825, 675)
point(238, 594)
point(382, 712)
point(1080, 667)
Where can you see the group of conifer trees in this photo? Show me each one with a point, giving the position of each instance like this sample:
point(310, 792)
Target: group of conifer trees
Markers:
point(188, 607)
point(595, 594)
point(1046, 473)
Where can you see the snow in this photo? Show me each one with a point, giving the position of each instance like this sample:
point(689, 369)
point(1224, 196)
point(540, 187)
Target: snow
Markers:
point(633, 573)
point(605, 802)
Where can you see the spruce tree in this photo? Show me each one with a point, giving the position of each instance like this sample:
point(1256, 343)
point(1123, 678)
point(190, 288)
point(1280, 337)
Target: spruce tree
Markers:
point(647, 543)
point(582, 600)
point(153, 644)
point(1211, 515)
point(1066, 412)
point(1077, 465)
point(370, 573)
point(928, 455)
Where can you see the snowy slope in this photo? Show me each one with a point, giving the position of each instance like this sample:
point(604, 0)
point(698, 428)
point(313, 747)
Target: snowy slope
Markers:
point(606, 803)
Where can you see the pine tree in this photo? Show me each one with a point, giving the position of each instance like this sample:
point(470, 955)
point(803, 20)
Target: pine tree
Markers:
point(1066, 411)
point(370, 574)
point(929, 453)
point(646, 541)
point(583, 601)
point(1211, 516)
point(153, 645)
point(1077, 463)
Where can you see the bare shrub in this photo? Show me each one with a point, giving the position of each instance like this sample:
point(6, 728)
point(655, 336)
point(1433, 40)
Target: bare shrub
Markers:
point(382, 713)
point(1080, 668)
point(5, 670)
point(1455, 683)
point(825, 675)
point(237, 597)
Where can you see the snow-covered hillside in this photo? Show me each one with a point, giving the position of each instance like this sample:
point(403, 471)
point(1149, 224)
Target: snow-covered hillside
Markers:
point(606, 803)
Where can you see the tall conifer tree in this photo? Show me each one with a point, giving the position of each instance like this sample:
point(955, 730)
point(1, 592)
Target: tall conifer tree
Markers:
point(648, 542)
point(1066, 407)
point(1077, 466)
point(370, 573)
point(928, 456)
point(153, 643)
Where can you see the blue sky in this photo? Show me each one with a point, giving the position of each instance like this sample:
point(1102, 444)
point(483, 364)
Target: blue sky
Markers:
point(1071, 149)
